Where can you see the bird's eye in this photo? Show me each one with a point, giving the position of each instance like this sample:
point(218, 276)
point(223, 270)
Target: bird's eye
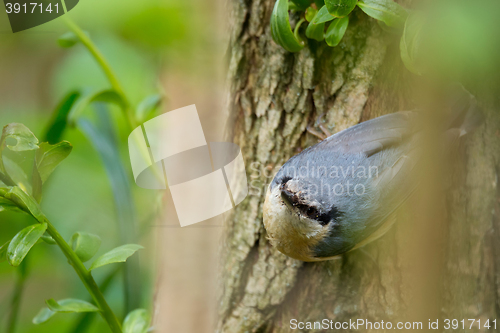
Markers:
point(312, 212)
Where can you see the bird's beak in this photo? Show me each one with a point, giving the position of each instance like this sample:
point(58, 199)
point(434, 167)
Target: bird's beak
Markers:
point(287, 197)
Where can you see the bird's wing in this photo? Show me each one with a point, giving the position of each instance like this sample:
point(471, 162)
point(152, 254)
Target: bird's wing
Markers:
point(393, 187)
point(372, 136)
point(394, 184)
point(388, 143)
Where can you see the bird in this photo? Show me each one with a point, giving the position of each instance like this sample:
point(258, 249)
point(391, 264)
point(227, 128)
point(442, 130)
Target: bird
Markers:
point(343, 192)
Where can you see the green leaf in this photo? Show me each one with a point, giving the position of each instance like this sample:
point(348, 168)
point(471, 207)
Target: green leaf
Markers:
point(137, 321)
point(49, 240)
point(281, 30)
point(22, 200)
point(71, 305)
point(3, 252)
point(103, 137)
point(43, 316)
point(301, 4)
point(49, 156)
point(7, 205)
point(37, 183)
point(316, 31)
point(310, 13)
point(147, 108)
point(386, 11)
point(119, 254)
point(319, 3)
point(87, 98)
point(69, 39)
point(410, 42)
point(336, 31)
point(17, 174)
point(59, 120)
point(322, 16)
point(22, 243)
point(292, 6)
point(340, 8)
point(18, 137)
point(85, 245)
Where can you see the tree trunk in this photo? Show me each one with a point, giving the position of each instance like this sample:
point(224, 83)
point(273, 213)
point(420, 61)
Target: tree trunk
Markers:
point(432, 265)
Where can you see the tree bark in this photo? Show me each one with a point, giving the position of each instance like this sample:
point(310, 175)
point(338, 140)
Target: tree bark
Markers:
point(435, 265)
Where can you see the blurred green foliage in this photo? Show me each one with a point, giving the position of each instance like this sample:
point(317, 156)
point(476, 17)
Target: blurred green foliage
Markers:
point(462, 41)
point(140, 40)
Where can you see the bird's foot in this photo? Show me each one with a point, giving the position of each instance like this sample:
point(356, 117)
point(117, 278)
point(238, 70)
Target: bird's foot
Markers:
point(322, 136)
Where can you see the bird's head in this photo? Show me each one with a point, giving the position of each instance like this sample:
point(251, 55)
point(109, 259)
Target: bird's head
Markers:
point(297, 216)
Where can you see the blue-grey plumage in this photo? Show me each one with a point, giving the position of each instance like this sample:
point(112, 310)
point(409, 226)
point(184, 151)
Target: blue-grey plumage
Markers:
point(344, 191)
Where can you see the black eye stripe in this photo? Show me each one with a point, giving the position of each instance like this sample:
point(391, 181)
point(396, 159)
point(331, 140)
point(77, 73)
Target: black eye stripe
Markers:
point(299, 200)
point(322, 218)
point(308, 210)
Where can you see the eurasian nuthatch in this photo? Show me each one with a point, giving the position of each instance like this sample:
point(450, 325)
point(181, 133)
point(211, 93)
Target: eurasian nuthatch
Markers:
point(341, 193)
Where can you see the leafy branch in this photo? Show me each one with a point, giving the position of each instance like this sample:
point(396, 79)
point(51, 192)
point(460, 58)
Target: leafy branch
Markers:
point(81, 36)
point(101, 133)
point(18, 139)
point(72, 107)
point(329, 19)
point(23, 194)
